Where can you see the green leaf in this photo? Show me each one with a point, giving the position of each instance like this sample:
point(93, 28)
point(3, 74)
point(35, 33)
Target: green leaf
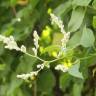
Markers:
point(64, 81)
point(75, 40)
point(1, 48)
point(2, 66)
point(94, 22)
point(81, 2)
point(33, 3)
point(69, 53)
point(74, 70)
point(14, 85)
point(57, 38)
point(87, 39)
point(23, 28)
point(46, 81)
point(95, 92)
point(94, 4)
point(77, 88)
point(13, 2)
point(51, 48)
point(26, 64)
point(62, 9)
point(76, 19)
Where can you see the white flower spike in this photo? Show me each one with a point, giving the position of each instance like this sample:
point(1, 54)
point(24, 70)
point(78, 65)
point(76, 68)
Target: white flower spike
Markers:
point(28, 75)
point(36, 38)
point(58, 22)
point(9, 42)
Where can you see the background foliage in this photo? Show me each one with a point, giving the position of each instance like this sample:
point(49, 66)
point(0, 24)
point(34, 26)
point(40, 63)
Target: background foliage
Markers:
point(19, 18)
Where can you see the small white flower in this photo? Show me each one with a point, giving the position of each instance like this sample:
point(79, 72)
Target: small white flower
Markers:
point(36, 38)
point(45, 64)
point(65, 39)
point(64, 42)
point(41, 66)
point(34, 73)
point(23, 48)
point(23, 76)
point(28, 75)
point(35, 51)
point(19, 19)
point(61, 67)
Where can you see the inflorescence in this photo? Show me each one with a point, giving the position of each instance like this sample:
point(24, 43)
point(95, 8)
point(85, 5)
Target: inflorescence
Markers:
point(11, 44)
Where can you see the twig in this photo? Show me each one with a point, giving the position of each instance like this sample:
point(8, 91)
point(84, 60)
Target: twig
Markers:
point(35, 88)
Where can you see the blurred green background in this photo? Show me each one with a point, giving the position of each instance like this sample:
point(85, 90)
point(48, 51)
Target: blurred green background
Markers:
point(20, 18)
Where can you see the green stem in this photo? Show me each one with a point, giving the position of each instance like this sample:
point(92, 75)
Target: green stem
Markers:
point(35, 57)
point(50, 61)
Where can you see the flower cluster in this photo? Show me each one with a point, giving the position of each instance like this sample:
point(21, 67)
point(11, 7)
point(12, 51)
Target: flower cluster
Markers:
point(65, 39)
point(64, 67)
point(64, 42)
point(36, 38)
point(58, 22)
point(61, 67)
point(44, 64)
point(66, 35)
point(27, 76)
point(33, 74)
point(11, 44)
point(41, 66)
